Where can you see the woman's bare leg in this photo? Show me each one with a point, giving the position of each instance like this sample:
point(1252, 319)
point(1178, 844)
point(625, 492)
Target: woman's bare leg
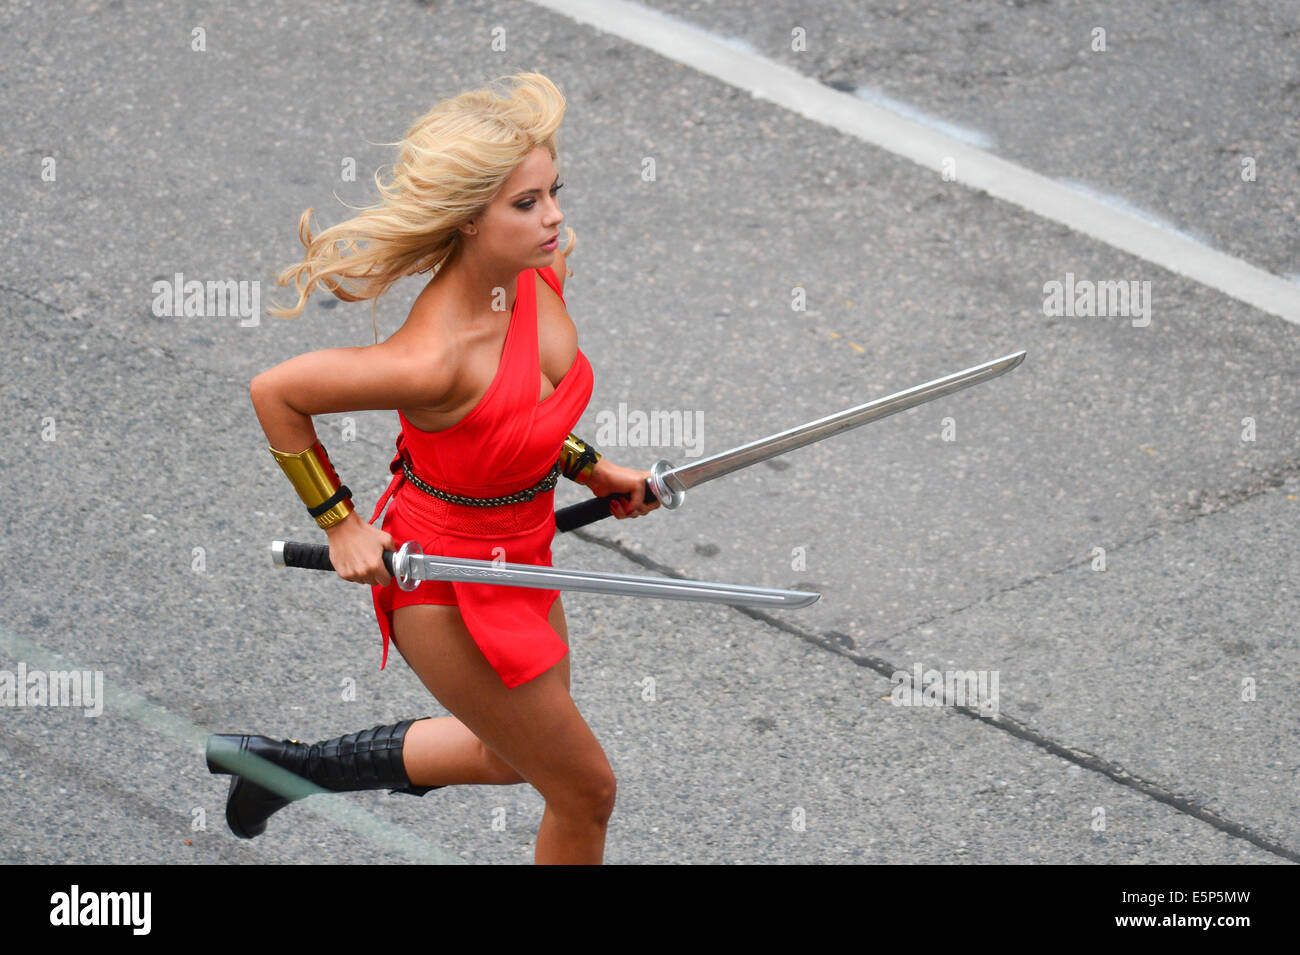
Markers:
point(535, 728)
point(442, 751)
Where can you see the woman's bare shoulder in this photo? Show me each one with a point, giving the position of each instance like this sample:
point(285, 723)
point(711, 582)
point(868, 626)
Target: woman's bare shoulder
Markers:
point(425, 347)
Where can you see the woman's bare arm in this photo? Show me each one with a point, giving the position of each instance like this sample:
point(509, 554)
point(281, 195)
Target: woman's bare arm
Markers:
point(346, 379)
point(342, 379)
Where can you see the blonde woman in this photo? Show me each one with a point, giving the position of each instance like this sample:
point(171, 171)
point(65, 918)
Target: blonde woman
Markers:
point(488, 381)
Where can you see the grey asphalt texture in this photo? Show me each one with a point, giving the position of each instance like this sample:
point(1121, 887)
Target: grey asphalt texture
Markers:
point(736, 736)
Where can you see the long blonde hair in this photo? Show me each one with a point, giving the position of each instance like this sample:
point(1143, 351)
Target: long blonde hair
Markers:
point(452, 161)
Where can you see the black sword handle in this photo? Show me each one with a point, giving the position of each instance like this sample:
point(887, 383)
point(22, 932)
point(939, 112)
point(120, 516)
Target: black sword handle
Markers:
point(317, 557)
point(595, 509)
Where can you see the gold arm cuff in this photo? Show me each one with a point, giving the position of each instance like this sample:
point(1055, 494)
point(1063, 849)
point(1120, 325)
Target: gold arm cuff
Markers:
point(313, 477)
point(578, 459)
point(335, 514)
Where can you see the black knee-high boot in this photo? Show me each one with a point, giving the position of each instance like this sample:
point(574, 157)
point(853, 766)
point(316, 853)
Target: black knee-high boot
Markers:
point(369, 759)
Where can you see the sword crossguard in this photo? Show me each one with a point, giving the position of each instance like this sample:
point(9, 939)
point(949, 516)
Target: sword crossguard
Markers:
point(401, 569)
point(669, 490)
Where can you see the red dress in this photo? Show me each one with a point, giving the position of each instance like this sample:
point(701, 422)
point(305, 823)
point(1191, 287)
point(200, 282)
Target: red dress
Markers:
point(507, 442)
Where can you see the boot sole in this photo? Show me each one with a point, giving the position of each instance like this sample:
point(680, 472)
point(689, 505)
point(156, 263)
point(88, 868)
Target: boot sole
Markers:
point(221, 754)
point(237, 784)
point(224, 754)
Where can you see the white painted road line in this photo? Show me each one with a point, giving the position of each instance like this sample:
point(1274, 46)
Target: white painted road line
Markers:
point(194, 739)
point(734, 63)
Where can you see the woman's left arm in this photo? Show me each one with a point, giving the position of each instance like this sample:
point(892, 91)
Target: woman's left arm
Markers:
point(610, 478)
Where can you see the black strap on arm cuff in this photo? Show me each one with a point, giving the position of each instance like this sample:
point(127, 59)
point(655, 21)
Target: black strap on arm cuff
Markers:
point(325, 505)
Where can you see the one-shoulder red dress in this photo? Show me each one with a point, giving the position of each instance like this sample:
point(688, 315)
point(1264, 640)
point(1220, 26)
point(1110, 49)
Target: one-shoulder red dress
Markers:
point(508, 442)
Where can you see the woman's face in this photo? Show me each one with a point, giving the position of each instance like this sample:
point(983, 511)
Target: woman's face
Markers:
point(524, 215)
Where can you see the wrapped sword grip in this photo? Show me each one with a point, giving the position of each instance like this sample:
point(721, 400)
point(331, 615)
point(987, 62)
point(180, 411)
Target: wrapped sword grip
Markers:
point(595, 509)
point(313, 556)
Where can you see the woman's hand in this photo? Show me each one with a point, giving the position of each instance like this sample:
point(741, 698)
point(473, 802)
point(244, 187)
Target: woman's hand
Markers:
point(357, 551)
point(608, 478)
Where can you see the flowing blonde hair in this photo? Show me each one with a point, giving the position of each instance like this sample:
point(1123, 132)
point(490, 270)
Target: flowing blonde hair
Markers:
point(452, 162)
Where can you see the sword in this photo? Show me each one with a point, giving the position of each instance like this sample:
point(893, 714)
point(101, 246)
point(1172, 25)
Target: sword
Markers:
point(667, 484)
point(409, 565)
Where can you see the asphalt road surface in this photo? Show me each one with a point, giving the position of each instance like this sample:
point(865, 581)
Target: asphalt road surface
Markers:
point(1107, 535)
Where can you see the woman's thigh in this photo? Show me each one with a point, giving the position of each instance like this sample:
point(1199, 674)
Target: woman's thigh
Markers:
point(556, 620)
point(535, 727)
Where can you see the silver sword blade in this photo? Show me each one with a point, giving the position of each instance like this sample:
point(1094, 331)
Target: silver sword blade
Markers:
point(411, 566)
point(670, 484)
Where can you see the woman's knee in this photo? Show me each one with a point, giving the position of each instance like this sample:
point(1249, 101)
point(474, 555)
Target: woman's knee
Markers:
point(588, 795)
point(604, 796)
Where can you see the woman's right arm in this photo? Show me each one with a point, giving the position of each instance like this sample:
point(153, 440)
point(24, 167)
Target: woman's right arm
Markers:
point(372, 377)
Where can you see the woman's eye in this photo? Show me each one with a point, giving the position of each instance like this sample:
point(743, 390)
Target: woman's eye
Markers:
point(529, 203)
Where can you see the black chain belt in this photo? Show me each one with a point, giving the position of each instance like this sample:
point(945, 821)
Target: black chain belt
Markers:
point(518, 497)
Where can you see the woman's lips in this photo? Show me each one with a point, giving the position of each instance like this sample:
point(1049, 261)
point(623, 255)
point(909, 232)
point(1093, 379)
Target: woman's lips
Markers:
point(552, 242)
